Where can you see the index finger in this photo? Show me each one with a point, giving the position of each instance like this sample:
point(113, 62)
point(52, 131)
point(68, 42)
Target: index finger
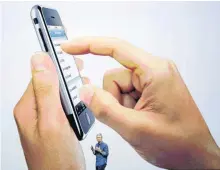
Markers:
point(126, 54)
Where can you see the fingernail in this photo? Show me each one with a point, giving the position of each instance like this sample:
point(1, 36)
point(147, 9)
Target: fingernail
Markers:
point(37, 62)
point(86, 93)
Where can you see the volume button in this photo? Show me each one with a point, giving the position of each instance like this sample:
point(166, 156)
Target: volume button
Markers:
point(42, 37)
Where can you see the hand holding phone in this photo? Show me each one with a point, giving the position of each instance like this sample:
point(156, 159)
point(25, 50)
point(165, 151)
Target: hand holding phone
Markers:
point(42, 137)
point(98, 149)
point(51, 34)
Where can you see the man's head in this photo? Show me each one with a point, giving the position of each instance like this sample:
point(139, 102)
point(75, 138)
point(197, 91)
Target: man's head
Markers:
point(99, 137)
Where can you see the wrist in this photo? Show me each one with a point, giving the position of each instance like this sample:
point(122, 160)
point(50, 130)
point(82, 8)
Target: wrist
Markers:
point(208, 158)
point(212, 159)
point(195, 158)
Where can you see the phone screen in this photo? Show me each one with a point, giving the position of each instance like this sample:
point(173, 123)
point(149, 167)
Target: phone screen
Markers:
point(68, 66)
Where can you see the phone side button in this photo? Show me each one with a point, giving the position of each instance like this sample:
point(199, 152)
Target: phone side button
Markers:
point(41, 34)
point(35, 21)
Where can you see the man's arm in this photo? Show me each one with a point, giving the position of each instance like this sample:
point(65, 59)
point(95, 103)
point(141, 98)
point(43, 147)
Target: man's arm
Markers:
point(105, 151)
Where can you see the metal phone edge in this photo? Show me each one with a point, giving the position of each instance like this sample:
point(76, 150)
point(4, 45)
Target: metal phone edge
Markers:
point(35, 13)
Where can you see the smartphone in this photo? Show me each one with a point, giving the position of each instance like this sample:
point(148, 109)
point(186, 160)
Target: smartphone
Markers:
point(51, 33)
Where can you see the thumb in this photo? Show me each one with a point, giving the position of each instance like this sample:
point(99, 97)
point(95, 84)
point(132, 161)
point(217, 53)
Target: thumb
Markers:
point(107, 109)
point(46, 87)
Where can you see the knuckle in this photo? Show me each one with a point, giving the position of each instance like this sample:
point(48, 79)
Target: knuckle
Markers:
point(167, 69)
point(102, 112)
point(115, 39)
point(107, 78)
point(43, 89)
point(17, 111)
point(171, 65)
point(44, 82)
point(105, 110)
point(117, 42)
point(111, 75)
point(107, 74)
